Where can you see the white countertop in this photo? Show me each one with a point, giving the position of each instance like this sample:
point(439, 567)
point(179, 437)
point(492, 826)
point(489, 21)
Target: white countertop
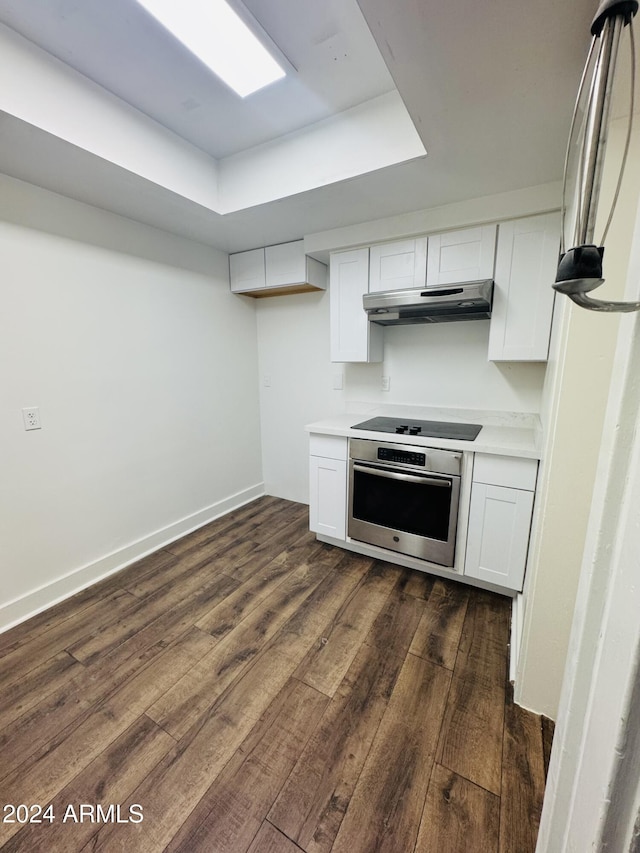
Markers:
point(503, 433)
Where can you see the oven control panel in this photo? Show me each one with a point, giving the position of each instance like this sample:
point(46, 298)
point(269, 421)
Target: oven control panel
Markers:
point(407, 456)
point(387, 454)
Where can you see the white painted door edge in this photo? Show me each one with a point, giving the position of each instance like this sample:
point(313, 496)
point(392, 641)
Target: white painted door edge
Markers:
point(593, 793)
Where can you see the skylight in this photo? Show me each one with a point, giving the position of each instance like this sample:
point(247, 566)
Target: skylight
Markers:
point(216, 34)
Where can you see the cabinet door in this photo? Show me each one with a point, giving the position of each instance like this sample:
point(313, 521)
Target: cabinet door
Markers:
point(498, 535)
point(328, 497)
point(285, 264)
point(523, 297)
point(399, 265)
point(458, 256)
point(247, 271)
point(353, 338)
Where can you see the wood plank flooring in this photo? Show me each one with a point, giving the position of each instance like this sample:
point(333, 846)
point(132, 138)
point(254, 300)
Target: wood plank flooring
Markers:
point(255, 691)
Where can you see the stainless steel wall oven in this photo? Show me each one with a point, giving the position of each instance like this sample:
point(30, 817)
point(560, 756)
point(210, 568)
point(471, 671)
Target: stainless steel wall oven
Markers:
point(404, 498)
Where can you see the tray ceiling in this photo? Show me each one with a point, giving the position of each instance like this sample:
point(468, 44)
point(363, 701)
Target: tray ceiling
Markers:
point(489, 88)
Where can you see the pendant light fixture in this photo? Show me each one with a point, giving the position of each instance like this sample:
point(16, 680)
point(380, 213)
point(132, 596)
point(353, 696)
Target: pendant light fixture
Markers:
point(580, 267)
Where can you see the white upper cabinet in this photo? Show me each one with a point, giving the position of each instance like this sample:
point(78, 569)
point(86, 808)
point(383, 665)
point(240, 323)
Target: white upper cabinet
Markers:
point(458, 256)
point(247, 271)
point(523, 296)
point(284, 263)
point(287, 266)
point(276, 270)
point(353, 337)
point(398, 265)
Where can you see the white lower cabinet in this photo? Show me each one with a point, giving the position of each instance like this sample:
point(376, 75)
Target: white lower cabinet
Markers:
point(500, 514)
point(328, 485)
point(498, 534)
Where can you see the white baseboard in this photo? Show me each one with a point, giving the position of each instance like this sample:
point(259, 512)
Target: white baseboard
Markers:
point(517, 624)
point(26, 606)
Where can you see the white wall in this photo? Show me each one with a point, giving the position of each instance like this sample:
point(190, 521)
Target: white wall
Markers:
point(144, 367)
point(48, 94)
point(528, 201)
point(293, 347)
point(443, 365)
point(370, 136)
point(592, 795)
point(574, 403)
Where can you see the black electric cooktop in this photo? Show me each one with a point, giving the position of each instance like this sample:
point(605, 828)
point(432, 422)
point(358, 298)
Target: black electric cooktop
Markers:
point(429, 429)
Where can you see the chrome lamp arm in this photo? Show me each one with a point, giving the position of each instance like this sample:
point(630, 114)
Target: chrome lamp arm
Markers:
point(580, 268)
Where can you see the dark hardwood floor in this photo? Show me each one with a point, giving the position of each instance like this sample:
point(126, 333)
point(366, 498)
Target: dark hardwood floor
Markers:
point(251, 689)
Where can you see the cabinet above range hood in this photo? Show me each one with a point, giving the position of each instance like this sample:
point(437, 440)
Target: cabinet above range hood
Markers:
point(468, 301)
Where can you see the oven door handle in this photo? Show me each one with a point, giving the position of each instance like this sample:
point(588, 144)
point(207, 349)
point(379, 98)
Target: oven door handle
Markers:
point(421, 479)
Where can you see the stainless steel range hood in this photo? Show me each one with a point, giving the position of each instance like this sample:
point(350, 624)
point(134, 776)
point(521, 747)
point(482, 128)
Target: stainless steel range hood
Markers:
point(469, 301)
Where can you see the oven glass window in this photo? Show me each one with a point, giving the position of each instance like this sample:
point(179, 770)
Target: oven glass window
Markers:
point(421, 509)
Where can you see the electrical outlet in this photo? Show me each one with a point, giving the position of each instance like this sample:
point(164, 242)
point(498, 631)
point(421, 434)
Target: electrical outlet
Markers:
point(385, 384)
point(337, 381)
point(31, 418)
point(266, 381)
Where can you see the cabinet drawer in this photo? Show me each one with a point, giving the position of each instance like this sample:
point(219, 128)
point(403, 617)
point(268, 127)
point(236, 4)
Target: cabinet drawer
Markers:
point(510, 471)
point(328, 446)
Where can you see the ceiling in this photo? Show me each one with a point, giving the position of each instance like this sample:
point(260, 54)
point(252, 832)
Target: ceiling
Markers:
point(123, 48)
point(488, 84)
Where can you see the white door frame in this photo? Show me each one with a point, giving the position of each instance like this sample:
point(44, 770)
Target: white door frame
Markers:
point(592, 798)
